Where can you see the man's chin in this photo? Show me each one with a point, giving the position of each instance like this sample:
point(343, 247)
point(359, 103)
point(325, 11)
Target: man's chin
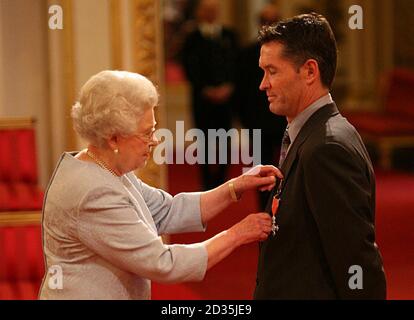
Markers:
point(275, 109)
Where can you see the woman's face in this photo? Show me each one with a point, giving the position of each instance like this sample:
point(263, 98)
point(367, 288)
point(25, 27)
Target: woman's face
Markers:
point(135, 150)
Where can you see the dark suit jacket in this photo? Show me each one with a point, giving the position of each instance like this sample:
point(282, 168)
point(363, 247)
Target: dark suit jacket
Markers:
point(326, 217)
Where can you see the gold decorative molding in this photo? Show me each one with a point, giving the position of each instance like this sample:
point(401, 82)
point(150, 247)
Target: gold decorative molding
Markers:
point(148, 61)
point(69, 72)
point(116, 34)
point(20, 218)
point(16, 123)
point(145, 33)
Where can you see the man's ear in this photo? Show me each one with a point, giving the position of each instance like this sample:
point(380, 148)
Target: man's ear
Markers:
point(310, 71)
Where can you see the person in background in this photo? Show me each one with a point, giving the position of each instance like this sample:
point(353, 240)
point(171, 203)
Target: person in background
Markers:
point(324, 244)
point(101, 225)
point(209, 59)
point(251, 104)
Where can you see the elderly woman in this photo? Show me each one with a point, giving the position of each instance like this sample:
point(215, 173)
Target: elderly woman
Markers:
point(101, 224)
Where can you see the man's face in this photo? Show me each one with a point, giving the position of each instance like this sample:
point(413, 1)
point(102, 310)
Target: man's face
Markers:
point(282, 81)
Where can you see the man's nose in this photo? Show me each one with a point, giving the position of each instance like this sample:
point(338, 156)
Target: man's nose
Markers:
point(264, 84)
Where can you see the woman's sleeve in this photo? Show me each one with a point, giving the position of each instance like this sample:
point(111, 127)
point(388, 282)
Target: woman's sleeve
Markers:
point(108, 225)
point(177, 214)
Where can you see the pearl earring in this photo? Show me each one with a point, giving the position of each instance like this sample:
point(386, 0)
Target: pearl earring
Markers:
point(116, 151)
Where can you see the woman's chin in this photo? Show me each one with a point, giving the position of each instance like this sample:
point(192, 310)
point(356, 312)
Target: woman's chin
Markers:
point(143, 163)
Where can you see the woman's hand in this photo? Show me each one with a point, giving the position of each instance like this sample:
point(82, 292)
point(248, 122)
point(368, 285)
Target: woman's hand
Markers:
point(260, 177)
point(255, 227)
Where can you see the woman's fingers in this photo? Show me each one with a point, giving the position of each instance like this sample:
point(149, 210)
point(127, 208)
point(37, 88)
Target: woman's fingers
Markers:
point(270, 170)
point(264, 170)
point(264, 219)
point(267, 187)
point(256, 226)
point(264, 183)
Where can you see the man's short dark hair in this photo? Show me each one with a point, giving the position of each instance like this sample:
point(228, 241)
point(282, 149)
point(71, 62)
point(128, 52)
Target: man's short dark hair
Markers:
point(307, 36)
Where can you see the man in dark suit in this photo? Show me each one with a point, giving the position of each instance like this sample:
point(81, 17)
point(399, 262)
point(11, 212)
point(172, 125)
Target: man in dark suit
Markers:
point(324, 247)
point(209, 60)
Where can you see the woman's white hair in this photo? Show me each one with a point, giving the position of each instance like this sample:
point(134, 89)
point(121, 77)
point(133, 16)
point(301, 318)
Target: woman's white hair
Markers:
point(110, 103)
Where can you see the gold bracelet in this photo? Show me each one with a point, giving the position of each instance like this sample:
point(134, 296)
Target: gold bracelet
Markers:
point(232, 192)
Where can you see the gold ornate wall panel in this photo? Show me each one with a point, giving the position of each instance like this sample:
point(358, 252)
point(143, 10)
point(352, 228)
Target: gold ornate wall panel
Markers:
point(20, 218)
point(116, 30)
point(69, 72)
point(148, 61)
point(145, 37)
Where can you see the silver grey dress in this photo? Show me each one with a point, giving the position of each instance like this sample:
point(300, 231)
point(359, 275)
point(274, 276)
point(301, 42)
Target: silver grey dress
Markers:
point(101, 235)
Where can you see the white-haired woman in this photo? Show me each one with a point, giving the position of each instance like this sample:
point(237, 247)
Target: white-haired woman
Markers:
point(101, 224)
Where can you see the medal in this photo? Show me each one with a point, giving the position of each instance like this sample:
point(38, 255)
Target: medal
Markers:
point(275, 207)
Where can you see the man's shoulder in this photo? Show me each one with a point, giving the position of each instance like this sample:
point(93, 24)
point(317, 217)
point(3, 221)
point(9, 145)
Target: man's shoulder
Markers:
point(335, 130)
point(339, 130)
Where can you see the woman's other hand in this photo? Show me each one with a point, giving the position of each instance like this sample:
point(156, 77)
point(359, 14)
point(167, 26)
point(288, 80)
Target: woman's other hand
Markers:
point(254, 227)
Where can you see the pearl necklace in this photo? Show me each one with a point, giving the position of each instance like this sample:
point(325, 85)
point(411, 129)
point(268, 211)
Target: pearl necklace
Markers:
point(100, 162)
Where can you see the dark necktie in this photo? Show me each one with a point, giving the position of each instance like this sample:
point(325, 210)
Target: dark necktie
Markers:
point(284, 148)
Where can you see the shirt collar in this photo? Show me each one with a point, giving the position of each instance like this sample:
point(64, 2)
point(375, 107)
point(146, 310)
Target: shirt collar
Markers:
point(297, 123)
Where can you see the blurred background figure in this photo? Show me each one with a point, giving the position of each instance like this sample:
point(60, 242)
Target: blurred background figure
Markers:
point(252, 105)
point(209, 60)
point(177, 22)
